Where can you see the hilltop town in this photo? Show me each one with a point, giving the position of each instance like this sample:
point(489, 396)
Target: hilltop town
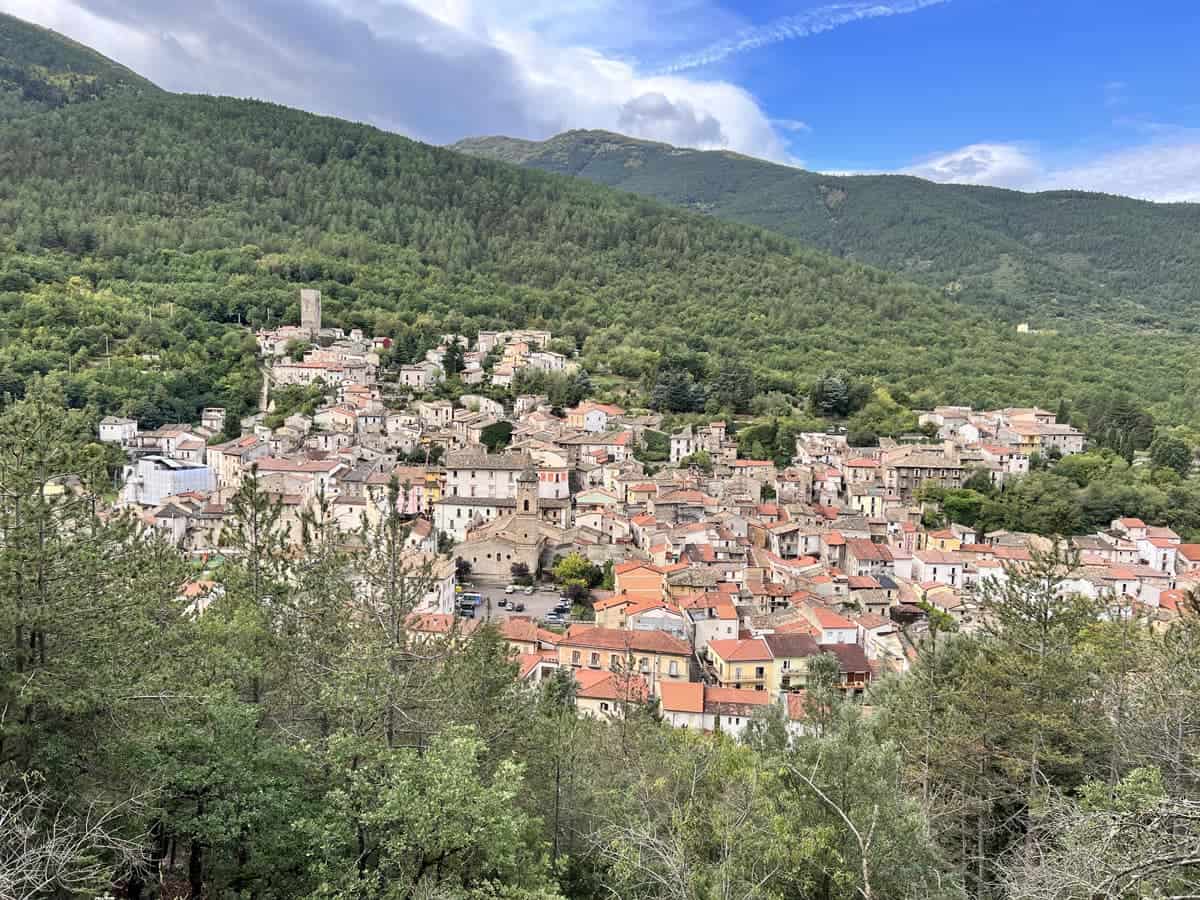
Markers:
point(707, 581)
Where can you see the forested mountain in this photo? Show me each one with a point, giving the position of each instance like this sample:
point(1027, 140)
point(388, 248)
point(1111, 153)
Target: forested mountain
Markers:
point(41, 69)
point(215, 211)
point(1043, 257)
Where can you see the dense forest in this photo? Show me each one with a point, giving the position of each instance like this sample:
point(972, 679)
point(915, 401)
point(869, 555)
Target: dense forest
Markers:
point(278, 730)
point(1050, 258)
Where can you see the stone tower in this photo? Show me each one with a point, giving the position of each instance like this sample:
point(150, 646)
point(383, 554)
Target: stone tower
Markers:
point(310, 310)
point(527, 491)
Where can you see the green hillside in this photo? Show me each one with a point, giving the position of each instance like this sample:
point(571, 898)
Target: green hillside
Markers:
point(41, 69)
point(221, 209)
point(1042, 257)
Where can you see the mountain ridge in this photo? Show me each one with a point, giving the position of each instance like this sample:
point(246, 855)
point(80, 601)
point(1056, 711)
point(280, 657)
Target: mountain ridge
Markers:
point(41, 69)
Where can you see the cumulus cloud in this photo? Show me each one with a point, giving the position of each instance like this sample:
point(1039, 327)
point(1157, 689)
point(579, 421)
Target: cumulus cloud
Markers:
point(676, 122)
point(438, 70)
point(1167, 171)
point(1004, 165)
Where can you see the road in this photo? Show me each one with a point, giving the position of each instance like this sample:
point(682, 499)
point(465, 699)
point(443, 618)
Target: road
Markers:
point(537, 604)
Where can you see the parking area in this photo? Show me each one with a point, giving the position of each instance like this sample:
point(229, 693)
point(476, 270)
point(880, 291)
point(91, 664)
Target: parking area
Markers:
point(537, 604)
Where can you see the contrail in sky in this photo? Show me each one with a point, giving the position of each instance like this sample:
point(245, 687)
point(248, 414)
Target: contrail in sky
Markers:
point(805, 24)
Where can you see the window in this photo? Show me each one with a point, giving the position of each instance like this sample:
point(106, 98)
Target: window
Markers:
point(614, 661)
point(574, 657)
point(644, 665)
point(737, 673)
point(595, 660)
point(603, 707)
point(759, 671)
point(673, 669)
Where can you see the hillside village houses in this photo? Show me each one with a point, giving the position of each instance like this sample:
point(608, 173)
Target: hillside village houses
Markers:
point(727, 579)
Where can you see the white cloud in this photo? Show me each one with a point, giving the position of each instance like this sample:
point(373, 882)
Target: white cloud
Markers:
point(438, 70)
point(1004, 165)
point(791, 125)
point(1165, 171)
point(801, 25)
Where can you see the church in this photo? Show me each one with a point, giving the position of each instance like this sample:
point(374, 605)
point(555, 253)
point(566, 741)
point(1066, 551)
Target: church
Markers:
point(520, 536)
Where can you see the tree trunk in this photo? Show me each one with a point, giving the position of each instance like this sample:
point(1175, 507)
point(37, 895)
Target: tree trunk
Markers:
point(196, 870)
point(196, 861)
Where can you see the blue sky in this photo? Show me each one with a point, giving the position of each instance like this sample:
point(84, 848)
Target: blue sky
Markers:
point(1074, 79)
point(1029, 94)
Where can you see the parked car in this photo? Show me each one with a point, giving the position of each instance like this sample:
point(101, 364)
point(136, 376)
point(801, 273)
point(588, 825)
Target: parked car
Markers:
point(510, 589)
point(529, 590)
point(502, 602)
point(518, 606)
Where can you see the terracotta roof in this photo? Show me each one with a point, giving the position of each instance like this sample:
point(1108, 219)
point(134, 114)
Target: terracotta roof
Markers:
point(791, 645)
point(851, 657)
point(938, 558)
point(827, 618)
point(440, 623)
point(527, 662)
point(600, 685)
point(519, 628)
point(861, 582)
point(611, 602)
point(721, 698)
point(796, 707)
point(1171, 599)
point(639, 641)
point(642, 606)
point(682, 696)
point(866, 549)
point(733, 650)
point(629, 565)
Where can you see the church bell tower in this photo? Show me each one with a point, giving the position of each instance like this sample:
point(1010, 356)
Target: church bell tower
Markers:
point(527, 491)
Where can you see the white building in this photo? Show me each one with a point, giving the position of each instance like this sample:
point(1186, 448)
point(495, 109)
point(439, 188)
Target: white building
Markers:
point(115, 430)
point(153, 478)
point(422, 376)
